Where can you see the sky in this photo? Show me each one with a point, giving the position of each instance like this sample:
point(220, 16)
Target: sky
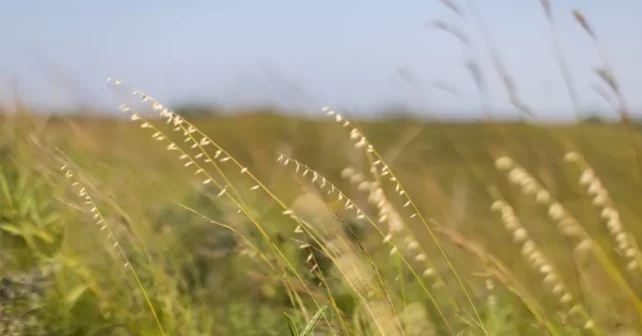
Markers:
point(357, 55)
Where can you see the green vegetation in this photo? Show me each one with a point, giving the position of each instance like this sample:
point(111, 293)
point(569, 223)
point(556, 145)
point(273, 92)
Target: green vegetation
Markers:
point(162, 244)
point(198, 223)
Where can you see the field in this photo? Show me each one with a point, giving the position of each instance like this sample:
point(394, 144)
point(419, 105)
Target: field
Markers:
point(277, 217)
point(158, 222)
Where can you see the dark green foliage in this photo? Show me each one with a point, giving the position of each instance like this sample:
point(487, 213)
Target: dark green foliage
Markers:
point(21, 297)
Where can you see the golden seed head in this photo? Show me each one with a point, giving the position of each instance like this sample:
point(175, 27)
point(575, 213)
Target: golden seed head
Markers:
point(497, 205)
point(542, 197)
point(566, 298)
point(571, 156)
point(429, 272)
point(520, 235)
point(504, 163)
point(587, 176)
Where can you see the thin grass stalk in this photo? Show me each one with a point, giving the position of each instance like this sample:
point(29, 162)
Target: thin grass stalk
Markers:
point(205, 140)
point(504, 275)
point(293, 294)
point(564, 70)
point(377, 196)
point(364, 215)
point(537, 259)
point(627, 245)
point(608, 76)
point(505, 163)
point(104, 225)
point(402, 191)
point(209, 179)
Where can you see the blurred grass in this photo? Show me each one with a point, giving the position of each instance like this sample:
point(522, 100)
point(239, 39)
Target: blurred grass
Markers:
point(200, 278)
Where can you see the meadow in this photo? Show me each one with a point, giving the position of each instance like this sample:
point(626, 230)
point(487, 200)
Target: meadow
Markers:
point(289, 217)
point(157, 222)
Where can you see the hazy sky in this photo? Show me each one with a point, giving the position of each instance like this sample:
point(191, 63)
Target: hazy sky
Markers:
point(307, 54)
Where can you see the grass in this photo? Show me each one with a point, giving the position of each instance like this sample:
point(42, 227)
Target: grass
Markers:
point(202, 267)
point(260, 224)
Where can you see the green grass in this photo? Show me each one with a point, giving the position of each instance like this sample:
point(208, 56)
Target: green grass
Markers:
point(260, 224)
point(205, 269)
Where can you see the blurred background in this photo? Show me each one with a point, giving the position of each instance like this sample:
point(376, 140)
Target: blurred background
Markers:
point(300, 56)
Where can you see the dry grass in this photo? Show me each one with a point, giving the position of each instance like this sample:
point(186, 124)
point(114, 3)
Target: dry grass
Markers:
point(225, 225)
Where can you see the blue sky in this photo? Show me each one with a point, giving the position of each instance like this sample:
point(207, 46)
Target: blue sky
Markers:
point(307, 54)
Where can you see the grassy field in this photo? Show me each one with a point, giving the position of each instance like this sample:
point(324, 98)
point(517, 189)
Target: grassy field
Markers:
point(235, 225)
point(159, 223)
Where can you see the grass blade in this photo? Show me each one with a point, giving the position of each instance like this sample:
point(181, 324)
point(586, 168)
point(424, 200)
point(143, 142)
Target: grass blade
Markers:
point(313, 322)
point(294, 331)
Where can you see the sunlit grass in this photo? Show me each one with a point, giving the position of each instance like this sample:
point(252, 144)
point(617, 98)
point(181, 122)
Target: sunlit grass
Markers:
point(162, 224)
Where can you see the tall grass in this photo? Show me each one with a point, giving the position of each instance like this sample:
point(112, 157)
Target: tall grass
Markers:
point(224, 226)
